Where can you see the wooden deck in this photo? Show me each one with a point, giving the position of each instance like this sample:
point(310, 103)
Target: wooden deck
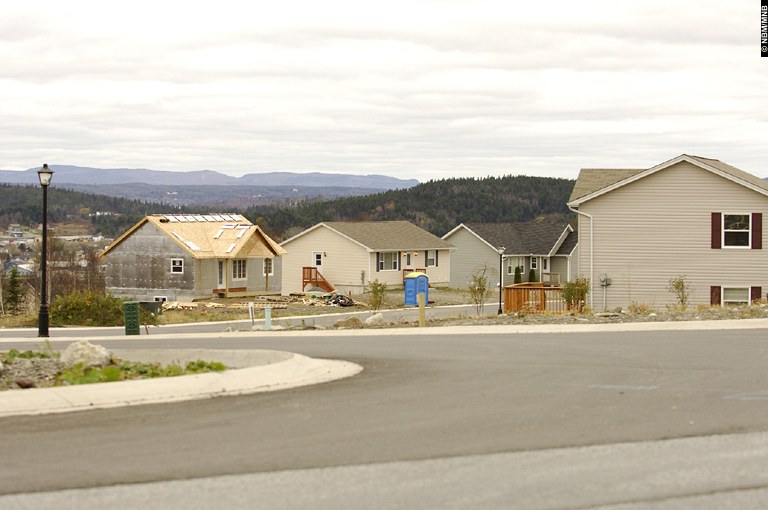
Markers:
point(534, 298)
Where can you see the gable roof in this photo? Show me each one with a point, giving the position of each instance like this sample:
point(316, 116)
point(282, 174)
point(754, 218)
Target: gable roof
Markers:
point(593, 182)
point(209, 235)
point(529, 238)
point(383, 235)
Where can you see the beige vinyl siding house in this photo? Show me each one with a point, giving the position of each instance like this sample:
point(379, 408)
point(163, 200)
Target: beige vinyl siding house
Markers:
point(546, 247)
point(642, 227)
point(350, 255)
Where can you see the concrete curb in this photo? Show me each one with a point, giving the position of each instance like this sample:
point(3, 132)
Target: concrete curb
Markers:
point(268, 371)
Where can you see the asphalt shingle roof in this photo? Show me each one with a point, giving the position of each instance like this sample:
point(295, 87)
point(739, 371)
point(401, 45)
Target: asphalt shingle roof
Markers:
point(591, 180)
point(389, 235)
point(533, 237)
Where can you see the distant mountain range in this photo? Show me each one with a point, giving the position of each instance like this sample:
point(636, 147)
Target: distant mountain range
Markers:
point(67, 174)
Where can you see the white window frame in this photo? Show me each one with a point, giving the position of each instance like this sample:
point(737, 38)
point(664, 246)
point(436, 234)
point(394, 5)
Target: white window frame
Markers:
point(394, 261)
point(534, 263)
point(177, 264)
point(162, 299)
point(430, 262)
point(268, 262)
point(735, 302)
point(748, 231)
point(239, 269)
point(510, 265)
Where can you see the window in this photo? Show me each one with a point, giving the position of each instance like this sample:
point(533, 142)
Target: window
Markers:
point(161, 299)
point(268, 268)
point(736, 231)
point(544, 261)
point(238, 269)
point(534, 260)
point(388, 261)
point(735, 296)
point(431, 258)
point(177, 266)
point(511, 265)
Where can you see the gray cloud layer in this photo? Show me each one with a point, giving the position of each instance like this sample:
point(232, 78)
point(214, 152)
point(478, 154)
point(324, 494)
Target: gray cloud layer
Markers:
point(412, 89)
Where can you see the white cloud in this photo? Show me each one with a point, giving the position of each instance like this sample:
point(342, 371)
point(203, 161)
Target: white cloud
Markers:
point(408, 89)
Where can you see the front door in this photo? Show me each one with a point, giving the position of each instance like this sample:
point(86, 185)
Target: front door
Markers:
point(222, 276)
point(317, 261)
point(409, 260)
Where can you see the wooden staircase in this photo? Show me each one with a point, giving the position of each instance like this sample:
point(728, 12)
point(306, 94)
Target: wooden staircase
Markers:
point(313, 276)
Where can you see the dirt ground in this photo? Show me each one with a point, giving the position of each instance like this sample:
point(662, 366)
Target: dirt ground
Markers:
point(312, 303)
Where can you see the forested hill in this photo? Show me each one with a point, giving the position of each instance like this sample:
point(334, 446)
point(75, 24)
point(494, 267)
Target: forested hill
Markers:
point(436, 206)
point(24, 205)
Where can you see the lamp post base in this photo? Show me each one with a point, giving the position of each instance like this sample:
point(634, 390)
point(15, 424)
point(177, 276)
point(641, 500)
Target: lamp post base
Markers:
point(42, 321)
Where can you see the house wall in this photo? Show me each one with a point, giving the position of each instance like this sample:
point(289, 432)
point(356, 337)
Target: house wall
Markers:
point(342, 263)
point(139, 268)
point(438, 275)
point(472, 255)
point(658, 228)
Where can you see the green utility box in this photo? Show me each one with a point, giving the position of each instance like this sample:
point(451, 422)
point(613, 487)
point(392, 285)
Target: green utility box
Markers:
point(131, 313)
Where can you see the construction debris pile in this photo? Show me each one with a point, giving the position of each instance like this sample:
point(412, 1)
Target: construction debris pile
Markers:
point(274, 302)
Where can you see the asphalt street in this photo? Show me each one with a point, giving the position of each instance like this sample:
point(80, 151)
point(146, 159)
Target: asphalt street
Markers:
point(422, 404)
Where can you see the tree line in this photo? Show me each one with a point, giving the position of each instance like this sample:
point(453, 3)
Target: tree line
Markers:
point(437, 206)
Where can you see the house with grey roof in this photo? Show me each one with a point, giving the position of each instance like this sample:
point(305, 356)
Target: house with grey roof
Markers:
point(347, 256)
point(178, 257)
point(689, 216)
point(547, 248)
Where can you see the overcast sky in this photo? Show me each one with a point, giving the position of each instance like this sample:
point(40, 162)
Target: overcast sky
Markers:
point(411, 89)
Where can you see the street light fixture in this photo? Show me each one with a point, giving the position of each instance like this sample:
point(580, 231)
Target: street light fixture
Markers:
point(501, 250)
point(45, 175)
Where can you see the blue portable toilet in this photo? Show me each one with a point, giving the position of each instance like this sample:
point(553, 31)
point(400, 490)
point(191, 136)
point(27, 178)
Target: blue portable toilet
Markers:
point(416, 283)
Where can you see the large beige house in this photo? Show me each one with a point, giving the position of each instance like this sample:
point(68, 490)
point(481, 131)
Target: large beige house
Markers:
point(689, 216)
point(347, 256)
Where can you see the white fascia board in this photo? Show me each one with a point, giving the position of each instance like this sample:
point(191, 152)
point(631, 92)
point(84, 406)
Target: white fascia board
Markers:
point(310, 229)
point(662, 166)
point(560, 240)
point(494, 248)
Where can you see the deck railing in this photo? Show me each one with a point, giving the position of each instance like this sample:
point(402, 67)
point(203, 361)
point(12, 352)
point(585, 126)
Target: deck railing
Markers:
point(534, 298)
point(310, 275)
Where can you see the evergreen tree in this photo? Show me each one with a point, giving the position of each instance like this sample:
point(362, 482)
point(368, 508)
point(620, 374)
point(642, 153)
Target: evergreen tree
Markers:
point(14, 293)
point(532, 275)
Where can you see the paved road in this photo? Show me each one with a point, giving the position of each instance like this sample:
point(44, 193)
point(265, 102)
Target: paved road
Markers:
point(423, 402)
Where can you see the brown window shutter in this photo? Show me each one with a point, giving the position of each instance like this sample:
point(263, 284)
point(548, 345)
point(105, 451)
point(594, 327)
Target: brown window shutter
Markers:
point(754, 293)
point(717, 230)
point(714, 296)
point(757, 231)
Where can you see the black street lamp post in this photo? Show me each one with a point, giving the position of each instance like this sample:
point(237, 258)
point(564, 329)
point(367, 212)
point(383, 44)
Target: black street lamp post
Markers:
point(501, 275)
point(45, 175)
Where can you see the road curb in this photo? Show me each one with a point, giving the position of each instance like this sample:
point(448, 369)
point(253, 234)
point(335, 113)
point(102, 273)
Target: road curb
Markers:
point(274, 370)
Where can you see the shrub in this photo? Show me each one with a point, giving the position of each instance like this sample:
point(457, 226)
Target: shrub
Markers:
point(378, 292)
point(518, 275)
point(575, 293)
point(532, 275)
point(682, 290)
point(478, 289)
point(90, 309)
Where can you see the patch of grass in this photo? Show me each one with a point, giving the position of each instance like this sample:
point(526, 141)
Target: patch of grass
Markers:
point(127, 370)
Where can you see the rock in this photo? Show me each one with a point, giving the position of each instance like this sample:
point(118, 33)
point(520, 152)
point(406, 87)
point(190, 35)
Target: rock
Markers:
point(26, 383)
point(607, 314)
point(86, 353)
point(348, 323)
point(375, 320)
point(229, 329)
point(618, 309)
